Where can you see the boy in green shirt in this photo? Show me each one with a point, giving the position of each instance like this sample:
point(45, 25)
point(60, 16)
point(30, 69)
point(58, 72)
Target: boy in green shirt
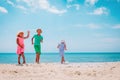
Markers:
point(37, 40)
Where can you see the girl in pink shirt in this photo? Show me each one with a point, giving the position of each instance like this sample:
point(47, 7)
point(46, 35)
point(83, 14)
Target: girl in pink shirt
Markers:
point(20, 47)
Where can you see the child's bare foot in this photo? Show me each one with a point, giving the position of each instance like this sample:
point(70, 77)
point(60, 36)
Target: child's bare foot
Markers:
point(37, 62)
point(24, 62)
point(19, 63)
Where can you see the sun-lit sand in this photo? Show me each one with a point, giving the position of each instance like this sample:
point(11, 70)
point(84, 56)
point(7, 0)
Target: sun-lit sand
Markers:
point(57, 71)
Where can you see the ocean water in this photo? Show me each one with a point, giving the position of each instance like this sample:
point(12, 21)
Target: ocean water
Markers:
point(11, 58)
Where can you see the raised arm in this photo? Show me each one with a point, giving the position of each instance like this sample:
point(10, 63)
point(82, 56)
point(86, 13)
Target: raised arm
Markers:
point(28, 34)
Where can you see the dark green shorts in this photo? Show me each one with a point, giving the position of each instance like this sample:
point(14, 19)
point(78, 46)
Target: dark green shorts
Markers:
point(37, 49)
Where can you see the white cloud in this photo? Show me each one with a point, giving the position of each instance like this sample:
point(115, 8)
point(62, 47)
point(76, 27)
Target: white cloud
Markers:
point(91, 2)
point(100, 11)
point(116, 26)
point(93, 26)
point(21, 7)
point(110, 40)
point(72, 5)
point(56, 11)
point(99, 35)
point(10, 2)
point(90, 26)
point(3, 10)
point(16, 6)
point(44, 5)
point(77, 6)
point(69, 1)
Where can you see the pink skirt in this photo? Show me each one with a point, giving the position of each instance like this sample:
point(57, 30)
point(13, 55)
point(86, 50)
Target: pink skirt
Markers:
point(20, 50)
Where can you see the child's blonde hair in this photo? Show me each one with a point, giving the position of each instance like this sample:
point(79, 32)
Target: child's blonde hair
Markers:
point(18, 35)
point(38, 30)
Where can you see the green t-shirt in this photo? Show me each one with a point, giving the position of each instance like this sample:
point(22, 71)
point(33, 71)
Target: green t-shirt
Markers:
point(38, 39)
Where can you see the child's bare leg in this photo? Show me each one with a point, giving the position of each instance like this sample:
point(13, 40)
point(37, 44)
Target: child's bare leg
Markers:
point(23, 58)
point(38, 57)
point(19, 58)
point(37, 60)
point(63, 59)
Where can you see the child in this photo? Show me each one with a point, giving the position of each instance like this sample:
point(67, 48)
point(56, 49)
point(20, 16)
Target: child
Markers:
point(20, 47)
point(38, 39)
point(62, 47)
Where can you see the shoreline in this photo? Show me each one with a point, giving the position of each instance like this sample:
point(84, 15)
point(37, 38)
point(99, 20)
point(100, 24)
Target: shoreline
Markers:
point(63, 64)
point(57, 71)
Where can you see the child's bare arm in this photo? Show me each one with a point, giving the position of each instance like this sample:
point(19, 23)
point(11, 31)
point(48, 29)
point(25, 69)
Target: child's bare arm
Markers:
point(27, 35)
point(65, 47)
point(41, 41)
point(32, 40)
point(17, 41)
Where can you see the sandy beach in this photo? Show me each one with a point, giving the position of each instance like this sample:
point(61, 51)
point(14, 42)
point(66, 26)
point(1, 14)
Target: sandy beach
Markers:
point(57, 71)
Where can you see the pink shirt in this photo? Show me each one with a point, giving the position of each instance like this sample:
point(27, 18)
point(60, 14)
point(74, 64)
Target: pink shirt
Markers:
point(21, 42)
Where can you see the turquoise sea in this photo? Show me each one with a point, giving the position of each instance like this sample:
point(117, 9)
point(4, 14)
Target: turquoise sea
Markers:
point(11, 58)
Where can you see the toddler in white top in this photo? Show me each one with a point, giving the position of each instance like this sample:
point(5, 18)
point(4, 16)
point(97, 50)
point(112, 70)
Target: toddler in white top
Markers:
point(62, 48)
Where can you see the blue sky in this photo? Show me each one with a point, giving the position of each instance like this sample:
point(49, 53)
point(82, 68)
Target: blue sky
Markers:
point(85, 25)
